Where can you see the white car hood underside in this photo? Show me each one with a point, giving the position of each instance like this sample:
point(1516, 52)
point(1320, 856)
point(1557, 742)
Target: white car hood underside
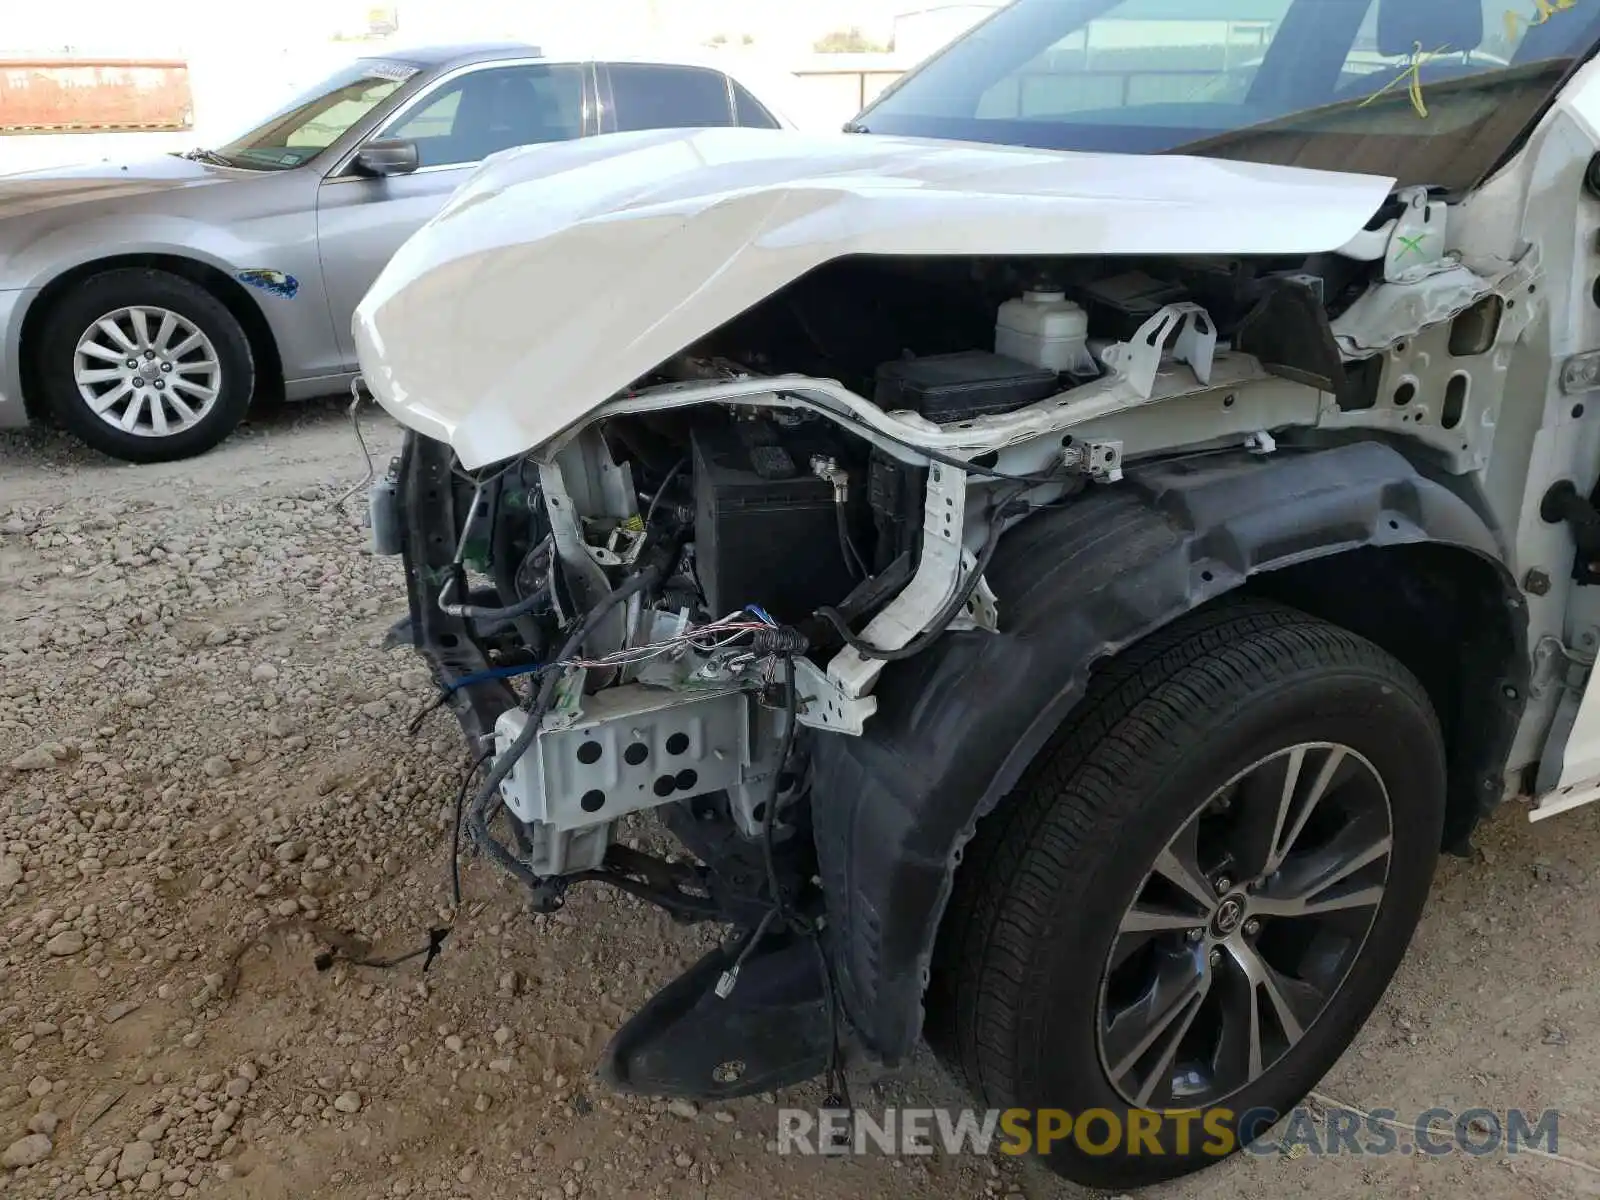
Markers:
point(560, 274)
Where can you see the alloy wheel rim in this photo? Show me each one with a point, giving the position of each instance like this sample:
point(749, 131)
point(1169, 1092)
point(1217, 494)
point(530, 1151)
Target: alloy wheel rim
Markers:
point(147, 371)
point(1245, 928)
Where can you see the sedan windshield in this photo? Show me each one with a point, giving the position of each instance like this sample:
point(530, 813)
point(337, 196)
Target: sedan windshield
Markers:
point(1429, 91)
point(312, 122)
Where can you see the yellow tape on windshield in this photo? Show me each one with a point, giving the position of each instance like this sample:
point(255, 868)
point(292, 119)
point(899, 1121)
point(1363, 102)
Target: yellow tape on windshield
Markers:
point(1411, 76)
point(1545, 9)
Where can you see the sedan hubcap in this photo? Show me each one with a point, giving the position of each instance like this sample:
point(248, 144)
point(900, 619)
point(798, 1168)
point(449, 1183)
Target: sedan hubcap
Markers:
point(1245, 928)
point(147, 371)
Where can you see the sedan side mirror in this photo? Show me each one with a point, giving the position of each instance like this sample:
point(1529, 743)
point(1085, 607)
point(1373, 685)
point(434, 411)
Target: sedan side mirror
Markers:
point(387, 156)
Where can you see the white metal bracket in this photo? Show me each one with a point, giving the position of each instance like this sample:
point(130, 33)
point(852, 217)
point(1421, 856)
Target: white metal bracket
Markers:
point(567, 533)
point(603, 488)
point(937, 578)
point(823, 703)
point(1417, 236)
point(1185, 328)
point(1100, 461)
point(982, 610)
point(622, 545)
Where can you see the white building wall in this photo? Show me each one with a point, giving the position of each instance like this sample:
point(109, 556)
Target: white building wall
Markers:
point(919, 33)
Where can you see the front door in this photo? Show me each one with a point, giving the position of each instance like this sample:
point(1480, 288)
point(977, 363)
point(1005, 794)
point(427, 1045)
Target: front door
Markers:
point(361, 221)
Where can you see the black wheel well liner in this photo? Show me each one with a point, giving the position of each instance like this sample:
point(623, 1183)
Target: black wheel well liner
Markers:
point(229, 291)
point(1356, 534)
point(1442, 613)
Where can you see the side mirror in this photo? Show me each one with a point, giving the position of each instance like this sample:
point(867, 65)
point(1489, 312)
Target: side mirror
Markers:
point(387, 156)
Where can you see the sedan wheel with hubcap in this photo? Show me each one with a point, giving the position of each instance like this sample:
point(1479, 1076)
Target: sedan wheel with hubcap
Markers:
point(143, 364)
point(147, 371)
point(1197, 894)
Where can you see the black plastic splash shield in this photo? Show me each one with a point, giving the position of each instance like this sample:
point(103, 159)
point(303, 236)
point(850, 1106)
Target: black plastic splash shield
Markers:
point(957, 725)
point(771, 1031)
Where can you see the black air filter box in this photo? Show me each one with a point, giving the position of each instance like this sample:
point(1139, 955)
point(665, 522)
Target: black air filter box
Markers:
point(958, 387)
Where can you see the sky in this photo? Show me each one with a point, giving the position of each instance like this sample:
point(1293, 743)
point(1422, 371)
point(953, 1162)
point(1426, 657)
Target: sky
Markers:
point(177, 27)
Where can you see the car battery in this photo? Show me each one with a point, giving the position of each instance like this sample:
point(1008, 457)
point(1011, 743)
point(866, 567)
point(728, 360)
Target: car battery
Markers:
point(765, 527)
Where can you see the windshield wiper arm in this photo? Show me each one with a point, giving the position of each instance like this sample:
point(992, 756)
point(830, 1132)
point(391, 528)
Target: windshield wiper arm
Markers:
point(855, 127)
point(201, 154)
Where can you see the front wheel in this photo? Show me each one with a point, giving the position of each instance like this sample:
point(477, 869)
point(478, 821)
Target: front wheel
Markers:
point(145, 365)
point(1197, 896)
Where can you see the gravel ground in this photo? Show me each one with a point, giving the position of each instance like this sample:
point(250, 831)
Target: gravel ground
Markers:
point(204, 762)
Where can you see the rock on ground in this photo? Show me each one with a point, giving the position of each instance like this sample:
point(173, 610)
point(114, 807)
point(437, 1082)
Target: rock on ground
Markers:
point(135, 1159)
point(68, 941)
point(26, 1151)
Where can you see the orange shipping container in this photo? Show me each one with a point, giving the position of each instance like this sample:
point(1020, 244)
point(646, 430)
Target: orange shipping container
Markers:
point(94, 95)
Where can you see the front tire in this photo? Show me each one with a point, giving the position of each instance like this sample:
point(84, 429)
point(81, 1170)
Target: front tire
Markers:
point(1199, 892)
point(145, 365)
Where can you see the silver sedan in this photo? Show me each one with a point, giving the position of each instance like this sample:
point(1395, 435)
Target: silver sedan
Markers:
point(144, 305)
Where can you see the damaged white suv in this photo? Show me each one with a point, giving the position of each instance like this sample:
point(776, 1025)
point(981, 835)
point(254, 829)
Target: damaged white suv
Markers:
point(1063, 556)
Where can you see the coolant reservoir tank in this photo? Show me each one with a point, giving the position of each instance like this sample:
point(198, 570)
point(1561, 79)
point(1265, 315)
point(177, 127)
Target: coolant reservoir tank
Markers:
point(1045, 329)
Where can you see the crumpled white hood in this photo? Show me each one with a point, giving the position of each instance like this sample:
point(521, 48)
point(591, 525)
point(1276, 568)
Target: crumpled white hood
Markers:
point(560, 274)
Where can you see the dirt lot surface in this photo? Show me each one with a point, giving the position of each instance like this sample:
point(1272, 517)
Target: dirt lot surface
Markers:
point(203, 754)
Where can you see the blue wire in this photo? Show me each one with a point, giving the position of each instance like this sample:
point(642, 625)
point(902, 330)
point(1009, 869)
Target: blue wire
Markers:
point(757, 611)
point(492, 673)
point(467, 681)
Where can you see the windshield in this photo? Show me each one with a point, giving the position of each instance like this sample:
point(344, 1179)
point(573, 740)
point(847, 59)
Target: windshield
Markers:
point(1429, 91)
point(312, 122)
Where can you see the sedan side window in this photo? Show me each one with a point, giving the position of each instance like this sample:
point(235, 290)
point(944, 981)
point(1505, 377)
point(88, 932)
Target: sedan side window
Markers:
point(495, 109)
point(653, 96)
point(437, 119)
point(752, 113)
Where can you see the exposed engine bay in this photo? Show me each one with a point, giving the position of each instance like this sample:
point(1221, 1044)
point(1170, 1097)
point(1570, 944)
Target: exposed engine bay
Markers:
point(663, 607)
point(678, 589)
